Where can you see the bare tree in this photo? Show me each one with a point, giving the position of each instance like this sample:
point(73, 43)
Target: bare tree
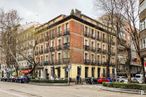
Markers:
point(26, 48)
point(9, 22)
point(126, 12)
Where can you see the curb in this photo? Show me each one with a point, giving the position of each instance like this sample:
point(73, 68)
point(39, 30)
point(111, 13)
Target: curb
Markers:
point(130, 91)
point(49, 84)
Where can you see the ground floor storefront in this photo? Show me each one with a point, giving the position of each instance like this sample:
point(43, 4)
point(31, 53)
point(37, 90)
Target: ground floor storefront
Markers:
point(65, 71)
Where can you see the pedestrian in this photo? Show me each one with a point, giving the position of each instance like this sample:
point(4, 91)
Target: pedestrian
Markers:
point(77, 79)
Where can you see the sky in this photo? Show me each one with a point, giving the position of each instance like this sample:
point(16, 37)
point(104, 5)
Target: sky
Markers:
point(44, 10)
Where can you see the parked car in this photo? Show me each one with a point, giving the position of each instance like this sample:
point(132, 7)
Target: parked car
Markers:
point(91, 80)
point(101, 80)
point(138, 78)
point(23, 79)
point(3, 79)
point(123, 79)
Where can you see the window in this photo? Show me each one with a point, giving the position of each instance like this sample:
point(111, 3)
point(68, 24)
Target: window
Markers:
point(59, 29)
point(86, 72)
point(103, 36)
point(92, 57)
point(103, 58)
point(142, 6)
point(98, 72)
point(59, 56)
point(59, 41)
point(98, 45)
point(103, 47)
point(86, 55)
point(67, 26)
point(46, 57)
point(52, 43)
point(52, 57)
point(86, 42)
point(93, 71)
point(143, 25)
point(98, 34)
point(92, 33)
point(104, 72)
point(92, 44)
point(86, 29)
point(98, 58)
point(66, 39)
point(66, 54)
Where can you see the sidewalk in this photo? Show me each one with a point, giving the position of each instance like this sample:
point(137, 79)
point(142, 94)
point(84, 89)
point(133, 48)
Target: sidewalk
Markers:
point(130, 91)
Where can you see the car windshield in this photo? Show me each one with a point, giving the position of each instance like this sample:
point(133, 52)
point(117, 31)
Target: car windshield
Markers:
point(121, 77)
point(137, 76)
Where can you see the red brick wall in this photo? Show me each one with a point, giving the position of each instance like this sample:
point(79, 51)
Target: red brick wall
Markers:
point(76, 42)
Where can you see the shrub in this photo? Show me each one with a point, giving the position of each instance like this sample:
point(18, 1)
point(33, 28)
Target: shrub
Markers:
point(126, 85)
point(48, 81)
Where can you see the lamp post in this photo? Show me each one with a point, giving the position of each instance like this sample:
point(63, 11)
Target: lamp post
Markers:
point(68, 69)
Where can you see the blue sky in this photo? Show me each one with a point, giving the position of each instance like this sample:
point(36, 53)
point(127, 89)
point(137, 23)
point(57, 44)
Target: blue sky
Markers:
point(44, 10)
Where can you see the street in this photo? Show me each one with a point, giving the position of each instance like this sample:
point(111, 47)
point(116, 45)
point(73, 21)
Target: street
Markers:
point(8, 89)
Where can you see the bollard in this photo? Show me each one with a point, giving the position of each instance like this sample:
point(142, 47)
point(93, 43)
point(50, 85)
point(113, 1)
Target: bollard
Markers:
point(141, 92)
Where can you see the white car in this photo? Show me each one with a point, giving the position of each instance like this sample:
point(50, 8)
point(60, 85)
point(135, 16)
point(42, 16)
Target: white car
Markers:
point(122, 79)
point(139, 78)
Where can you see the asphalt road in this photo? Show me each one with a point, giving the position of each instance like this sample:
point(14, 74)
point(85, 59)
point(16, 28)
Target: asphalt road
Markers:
point(8, 89)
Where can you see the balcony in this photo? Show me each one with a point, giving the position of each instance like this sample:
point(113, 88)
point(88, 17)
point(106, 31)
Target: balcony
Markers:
point(113, 53)
point(104, 51)
point(46, 38)
point(86, 47)
point(59, 61)
point(52, 63)
point(59, 47)
point(52, 37)
point(41, 40)
point(93, 62)
point(66, 60)
point(46, 63)
point(52, 49)
point(105, 40)
point(46, 50)
point(86, 61)
point(104, 63)
point(59, 34)
point(86, 34)
point(98, 63)
point(41, 52)
point(98, 38)
point(113, 43)
point(99, 50)
point(66, 45)
point(93, 49)
point(66, 32)
point(93, 36)
point(112, 64)
point(36, 53)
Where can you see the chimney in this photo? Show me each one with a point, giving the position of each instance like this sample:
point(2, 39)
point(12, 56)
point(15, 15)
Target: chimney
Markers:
point(77, 13)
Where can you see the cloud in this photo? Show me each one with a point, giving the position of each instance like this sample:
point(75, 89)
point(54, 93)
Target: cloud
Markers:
point(44, 10)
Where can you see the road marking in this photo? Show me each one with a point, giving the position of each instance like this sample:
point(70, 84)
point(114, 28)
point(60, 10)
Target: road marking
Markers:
point(12, 93)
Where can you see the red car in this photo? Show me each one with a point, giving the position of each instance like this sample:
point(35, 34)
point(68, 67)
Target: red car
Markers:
point(101, 80)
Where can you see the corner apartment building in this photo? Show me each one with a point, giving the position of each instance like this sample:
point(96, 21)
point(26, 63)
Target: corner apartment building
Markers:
point(75, 41)
point(142, 17)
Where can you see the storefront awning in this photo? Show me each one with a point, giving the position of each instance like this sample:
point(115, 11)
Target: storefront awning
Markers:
point(25, 71)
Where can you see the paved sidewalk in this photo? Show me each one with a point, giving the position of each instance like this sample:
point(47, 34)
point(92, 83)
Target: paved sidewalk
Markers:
point(130, 91)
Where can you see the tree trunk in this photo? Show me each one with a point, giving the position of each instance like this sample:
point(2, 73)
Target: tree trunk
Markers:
point(129, 65)
point(143, 69)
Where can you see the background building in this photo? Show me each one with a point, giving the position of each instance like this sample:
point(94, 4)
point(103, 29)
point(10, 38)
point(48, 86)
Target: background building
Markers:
point(142, 17)
point(122, 55)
